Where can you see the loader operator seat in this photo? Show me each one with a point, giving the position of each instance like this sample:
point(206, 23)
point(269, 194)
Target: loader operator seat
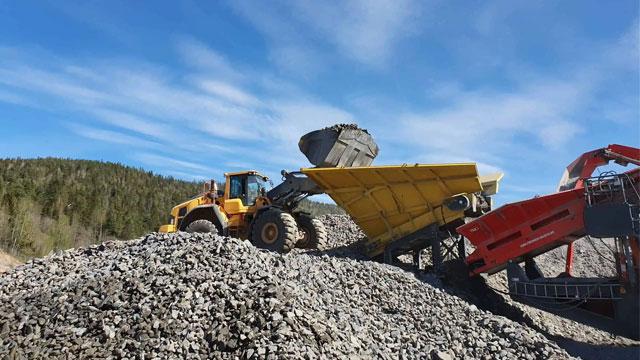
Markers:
point(246, 188)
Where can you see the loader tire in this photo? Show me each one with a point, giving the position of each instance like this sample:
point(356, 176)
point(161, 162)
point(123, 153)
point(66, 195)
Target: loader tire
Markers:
point(201, 226)
point(274, 230)
point(313, 233)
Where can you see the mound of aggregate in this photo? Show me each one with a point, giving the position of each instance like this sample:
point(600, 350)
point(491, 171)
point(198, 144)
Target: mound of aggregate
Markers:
point(340, 127)
point(201, 296)
point(592, 258)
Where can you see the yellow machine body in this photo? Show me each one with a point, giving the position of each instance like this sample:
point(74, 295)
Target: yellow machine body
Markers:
point(235, 210)
point(390, 202)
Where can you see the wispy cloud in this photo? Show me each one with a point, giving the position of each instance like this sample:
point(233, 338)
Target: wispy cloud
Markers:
point(476, 119)
point(172, 163)
point(134, 123)
point(197, 54)
point(366, 31)
point(196, 115)
point(229, 92)
point(13, 98)
point(112, 137)
point(536, 114)
point(199, 111)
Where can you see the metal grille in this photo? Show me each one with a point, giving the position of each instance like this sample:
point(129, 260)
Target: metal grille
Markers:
point(566, 291)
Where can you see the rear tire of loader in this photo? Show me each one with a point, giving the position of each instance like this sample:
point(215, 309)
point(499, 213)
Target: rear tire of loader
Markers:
point(201, 226)
point(274, 230)
point(314, 234)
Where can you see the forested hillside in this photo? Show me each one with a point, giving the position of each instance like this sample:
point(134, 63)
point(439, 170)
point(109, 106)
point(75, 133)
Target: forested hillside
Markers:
point(50, 203)
point(53, 203)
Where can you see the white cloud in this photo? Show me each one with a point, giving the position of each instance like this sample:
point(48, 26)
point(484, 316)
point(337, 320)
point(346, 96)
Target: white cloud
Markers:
point(134, 123)
point(199, 55)
point(229, 92)
point(293, 119)
point(172, 163)
point(135, 91)
point(366, 31)
point(299, 60)
point(13, 98)
point(490, 126)
point(539, 117)
point(27, 78)
point(555, 135)
point(112, 137)
point(188, 115)
point(626, 51)
point(289, 47)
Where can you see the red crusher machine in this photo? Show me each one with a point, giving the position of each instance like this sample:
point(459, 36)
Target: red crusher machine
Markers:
point(584, 207)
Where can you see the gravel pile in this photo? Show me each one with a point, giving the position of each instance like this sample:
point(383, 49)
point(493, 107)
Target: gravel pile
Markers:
point(343, 235)
point(592, 258)
point(340, 127)
point(200, 296)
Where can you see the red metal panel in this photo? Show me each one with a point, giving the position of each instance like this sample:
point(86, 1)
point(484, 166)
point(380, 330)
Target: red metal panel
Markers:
point(525, 228)
point(531, 227)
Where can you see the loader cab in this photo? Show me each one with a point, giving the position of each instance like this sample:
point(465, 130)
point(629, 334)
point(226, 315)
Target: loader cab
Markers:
point(242, 189)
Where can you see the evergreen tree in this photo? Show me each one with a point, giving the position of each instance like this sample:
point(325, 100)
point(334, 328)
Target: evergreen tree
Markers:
point(49, 203)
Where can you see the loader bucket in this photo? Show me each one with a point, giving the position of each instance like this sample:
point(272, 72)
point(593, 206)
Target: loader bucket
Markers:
point(339, 146)
point(391, 202)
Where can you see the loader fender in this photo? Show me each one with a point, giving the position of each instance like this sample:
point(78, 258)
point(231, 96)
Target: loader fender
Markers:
point(209, 212)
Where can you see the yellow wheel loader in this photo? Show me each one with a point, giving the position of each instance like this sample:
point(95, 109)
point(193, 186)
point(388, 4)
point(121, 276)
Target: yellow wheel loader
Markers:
point(245, 209)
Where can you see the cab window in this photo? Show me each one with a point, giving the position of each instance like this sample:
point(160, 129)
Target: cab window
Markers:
point(253, 190)
point(236, 187)
point(246, 188)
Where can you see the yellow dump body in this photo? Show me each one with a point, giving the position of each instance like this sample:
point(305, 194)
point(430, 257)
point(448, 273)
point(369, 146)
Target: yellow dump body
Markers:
point(389, 202)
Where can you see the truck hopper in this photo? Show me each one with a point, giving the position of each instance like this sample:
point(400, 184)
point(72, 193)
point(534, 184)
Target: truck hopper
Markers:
point(405, 204)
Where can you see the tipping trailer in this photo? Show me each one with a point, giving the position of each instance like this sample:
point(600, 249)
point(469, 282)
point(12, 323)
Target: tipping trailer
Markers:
point(404, 209)
point(604, 206)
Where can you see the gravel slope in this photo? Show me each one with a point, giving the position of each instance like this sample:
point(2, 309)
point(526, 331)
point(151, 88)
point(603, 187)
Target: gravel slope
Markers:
point(583, 340)
point(198, 296)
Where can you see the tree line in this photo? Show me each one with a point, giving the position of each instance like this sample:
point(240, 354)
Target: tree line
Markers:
point(51, 203)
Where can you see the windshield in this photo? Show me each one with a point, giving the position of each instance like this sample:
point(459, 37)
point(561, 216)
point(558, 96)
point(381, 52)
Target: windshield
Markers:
point(255, 184)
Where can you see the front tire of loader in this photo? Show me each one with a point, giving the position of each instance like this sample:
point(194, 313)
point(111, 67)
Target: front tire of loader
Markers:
point(274, 230)
point(313, 232)
point(201, 226)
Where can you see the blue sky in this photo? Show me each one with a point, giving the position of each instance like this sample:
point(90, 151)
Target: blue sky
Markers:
point(192, 89)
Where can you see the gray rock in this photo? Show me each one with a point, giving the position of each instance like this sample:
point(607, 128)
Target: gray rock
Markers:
point(203, 296)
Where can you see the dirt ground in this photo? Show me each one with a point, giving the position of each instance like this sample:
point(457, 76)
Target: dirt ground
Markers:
point(7, 262)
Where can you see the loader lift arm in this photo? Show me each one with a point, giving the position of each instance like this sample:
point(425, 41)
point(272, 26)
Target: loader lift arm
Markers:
point(294, 188)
